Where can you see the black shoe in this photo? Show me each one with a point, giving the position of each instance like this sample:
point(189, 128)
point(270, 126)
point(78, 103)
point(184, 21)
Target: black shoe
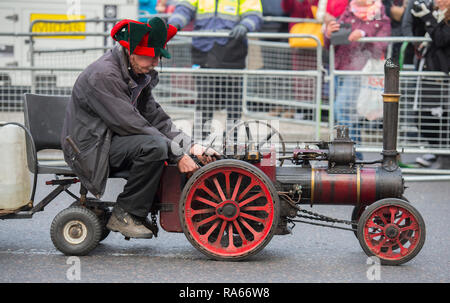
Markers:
point(128, 225)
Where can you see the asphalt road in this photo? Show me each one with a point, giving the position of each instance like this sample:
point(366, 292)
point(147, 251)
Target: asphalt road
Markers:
point(310, 254)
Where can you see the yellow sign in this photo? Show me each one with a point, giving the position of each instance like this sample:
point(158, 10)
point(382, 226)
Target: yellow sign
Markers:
point(58, 27)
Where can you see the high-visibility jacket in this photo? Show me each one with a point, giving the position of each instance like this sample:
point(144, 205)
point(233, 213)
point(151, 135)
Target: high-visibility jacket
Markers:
point(216, 15)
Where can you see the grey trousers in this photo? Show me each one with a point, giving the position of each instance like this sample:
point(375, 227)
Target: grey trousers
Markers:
point(143, 156)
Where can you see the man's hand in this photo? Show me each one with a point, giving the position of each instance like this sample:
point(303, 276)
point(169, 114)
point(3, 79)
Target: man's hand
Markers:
point(203, 155)
point(238, 32)
point(332, 26)
point(187, 165)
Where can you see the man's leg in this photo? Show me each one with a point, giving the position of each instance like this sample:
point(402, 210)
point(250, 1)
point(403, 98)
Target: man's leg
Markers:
point(143, 156)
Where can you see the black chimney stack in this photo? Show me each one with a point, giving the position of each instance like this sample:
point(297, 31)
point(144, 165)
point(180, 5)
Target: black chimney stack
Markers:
point(391, 98)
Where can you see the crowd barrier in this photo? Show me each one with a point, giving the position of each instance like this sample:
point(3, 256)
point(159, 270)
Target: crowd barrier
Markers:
point(291, 85)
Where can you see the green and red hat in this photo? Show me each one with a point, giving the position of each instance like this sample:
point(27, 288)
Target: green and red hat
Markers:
point(144, 39)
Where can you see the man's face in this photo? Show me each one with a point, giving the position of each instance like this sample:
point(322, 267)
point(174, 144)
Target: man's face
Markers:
point(143, 64)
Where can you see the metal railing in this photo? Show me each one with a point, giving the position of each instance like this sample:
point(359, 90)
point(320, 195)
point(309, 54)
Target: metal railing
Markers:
point(422, 91)
point(268, 91)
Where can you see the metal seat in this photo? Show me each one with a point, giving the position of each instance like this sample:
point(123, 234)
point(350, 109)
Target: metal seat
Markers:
point(44, 117)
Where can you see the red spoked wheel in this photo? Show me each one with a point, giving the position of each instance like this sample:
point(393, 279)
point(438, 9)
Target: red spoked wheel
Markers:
point(229, 210)
point(392, 230)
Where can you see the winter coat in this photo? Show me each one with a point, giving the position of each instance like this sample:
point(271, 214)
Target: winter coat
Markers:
point(438, 55)
point(101, 106)
point(355, 55)
point(217, 15)
point(297, 9)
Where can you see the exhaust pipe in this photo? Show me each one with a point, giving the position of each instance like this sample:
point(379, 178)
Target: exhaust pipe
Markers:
point(391, 98)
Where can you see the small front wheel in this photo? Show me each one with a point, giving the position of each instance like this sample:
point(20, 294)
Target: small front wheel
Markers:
point(76, 231)
point(392, 230)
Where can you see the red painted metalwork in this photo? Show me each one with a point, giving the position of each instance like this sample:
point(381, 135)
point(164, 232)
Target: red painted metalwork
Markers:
point(392, 232)
point(169, 195)
point(229, 211)
point(348, 189)
point(368, 189)
point(268, 165)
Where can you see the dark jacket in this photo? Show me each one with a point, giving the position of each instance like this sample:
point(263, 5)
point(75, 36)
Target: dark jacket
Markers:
point(438, 55)
point(412, 26)
point(101, 106)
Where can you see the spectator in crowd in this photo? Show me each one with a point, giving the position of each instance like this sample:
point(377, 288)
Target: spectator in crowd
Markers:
point(437, 27)
point(238, 17)
point(335, 8)
point(434, 108)
point(166, 6)
point(301, 58)
point(395, 10)
point(305, 58)
point(273, 8)
point(303, 9)
point(298, 9)
point(367, 19)
point(146, 8)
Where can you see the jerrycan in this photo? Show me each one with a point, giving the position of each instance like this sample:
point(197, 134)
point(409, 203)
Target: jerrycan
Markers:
point(14, 174)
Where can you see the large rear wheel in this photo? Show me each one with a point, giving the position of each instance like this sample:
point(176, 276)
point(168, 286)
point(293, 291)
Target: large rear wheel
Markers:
point(229, 210)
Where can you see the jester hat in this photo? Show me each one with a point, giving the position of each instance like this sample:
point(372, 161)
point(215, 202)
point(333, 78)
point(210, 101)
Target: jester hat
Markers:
point(144, 39)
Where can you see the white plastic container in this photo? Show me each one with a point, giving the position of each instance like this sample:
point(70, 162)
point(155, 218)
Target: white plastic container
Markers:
point(14, 174)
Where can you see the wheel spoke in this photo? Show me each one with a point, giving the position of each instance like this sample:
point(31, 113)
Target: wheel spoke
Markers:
point(403, 250)
point(250, 229)
point(210, 230)
point(252, 198)
point(230, 236)
point(239, 230)
point(377, 248)
point(222, 230)
point(393, 211)
point(236, 188)
point(253, 218)
point(247, 189)
point(219, 189)
point(375, 235)
point(373, 225)
point(256, 208)
point(400, 220)
point(210, 193)
point(227, 183)
point(413, 227)
point(207, 220)
point(206, 201)
point(382, 218)
point(202, 211)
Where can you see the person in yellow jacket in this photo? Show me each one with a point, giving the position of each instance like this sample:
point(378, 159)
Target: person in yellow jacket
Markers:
point(236, 16)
